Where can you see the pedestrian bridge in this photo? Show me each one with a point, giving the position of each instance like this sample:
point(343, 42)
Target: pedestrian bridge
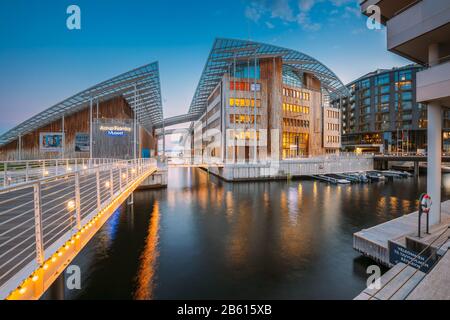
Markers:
point(50, 209)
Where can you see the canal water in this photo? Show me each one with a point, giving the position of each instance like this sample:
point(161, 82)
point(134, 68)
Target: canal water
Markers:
point(202, 238)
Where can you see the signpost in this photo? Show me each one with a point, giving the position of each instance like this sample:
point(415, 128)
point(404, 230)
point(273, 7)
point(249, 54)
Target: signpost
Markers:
point(423, 262)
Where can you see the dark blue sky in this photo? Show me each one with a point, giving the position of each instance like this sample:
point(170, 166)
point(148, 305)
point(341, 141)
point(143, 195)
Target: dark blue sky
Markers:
point(42, 62)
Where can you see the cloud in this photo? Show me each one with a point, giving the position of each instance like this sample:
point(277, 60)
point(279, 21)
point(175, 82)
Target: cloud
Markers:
point(269, 25)
point(353, 11)
point(282, 10)
point(253, 13)
point(297, 11)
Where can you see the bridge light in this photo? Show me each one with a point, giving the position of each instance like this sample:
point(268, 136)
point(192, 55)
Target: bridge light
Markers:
point(45, 267)
point(67, 247)
point(59, 254)
point(35, 278)
point(71, 205)
point(22, 290)
point(53, 259)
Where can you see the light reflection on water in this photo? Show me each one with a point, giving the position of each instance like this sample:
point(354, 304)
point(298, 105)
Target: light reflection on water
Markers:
point(204, 238)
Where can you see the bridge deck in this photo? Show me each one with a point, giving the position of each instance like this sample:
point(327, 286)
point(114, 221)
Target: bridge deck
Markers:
point(39, 218)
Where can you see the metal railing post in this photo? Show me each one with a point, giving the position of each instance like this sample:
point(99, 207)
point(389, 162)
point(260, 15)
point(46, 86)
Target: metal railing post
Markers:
point(120, 178)
point(97, 174)
point(5, 174)
point(111, 183)
point(77, 200)
point(26, 171)
point(38, 224)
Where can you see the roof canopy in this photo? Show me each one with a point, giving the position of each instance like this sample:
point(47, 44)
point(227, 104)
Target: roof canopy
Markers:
point(148, 105)
point(226, 51)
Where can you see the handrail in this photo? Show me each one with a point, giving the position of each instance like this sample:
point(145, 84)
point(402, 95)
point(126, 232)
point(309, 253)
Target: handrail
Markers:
point(17, 172)
point(55, 177)
point(40, 216)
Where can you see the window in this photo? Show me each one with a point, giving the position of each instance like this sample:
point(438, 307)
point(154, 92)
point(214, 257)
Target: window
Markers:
point(406, 96)
point(365, 84)
point(241, 102)
point(385, 89)
point(383, 79)
point(404, 75)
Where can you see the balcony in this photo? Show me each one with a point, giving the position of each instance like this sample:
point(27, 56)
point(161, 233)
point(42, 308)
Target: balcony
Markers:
point(411, 32)
point(389, 8)
point(433, 84)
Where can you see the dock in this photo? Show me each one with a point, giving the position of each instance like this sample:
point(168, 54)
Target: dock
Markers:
point(436, 285)
point(374, 242)
point(424, 277)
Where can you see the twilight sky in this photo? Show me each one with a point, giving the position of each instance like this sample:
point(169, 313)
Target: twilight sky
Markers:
point(42, 62)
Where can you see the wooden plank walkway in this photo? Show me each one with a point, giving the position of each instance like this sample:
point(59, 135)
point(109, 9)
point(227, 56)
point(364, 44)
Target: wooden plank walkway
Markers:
point(436, 285)
point(396, 284)
point(373, 242)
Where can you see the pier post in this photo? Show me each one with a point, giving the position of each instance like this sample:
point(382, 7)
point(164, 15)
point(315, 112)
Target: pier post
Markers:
point(131, 199)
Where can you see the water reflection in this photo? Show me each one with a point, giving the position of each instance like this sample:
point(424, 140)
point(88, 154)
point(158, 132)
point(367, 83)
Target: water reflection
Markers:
point(146, 273)
point(204, 238)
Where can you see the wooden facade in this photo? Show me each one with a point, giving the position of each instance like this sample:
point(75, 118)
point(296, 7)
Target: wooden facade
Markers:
point(79, 122)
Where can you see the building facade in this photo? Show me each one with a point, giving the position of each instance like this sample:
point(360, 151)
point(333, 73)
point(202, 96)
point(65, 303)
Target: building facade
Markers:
point(382, 113)
point(419, 31)
point(114, 119)
point(265, 108)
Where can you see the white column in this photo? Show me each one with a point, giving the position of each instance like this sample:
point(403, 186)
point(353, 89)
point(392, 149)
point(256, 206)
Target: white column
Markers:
point(434, 148)
point(434, 160)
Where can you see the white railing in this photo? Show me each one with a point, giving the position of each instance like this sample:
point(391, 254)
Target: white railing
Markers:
point(15, 172)
point(38, 217)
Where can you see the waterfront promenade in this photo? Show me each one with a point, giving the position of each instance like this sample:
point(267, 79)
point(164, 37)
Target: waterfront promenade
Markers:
point(408, 279)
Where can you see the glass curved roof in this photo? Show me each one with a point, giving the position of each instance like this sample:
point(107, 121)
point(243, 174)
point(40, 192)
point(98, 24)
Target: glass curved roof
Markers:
point(225, 51)
point(148, 104)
